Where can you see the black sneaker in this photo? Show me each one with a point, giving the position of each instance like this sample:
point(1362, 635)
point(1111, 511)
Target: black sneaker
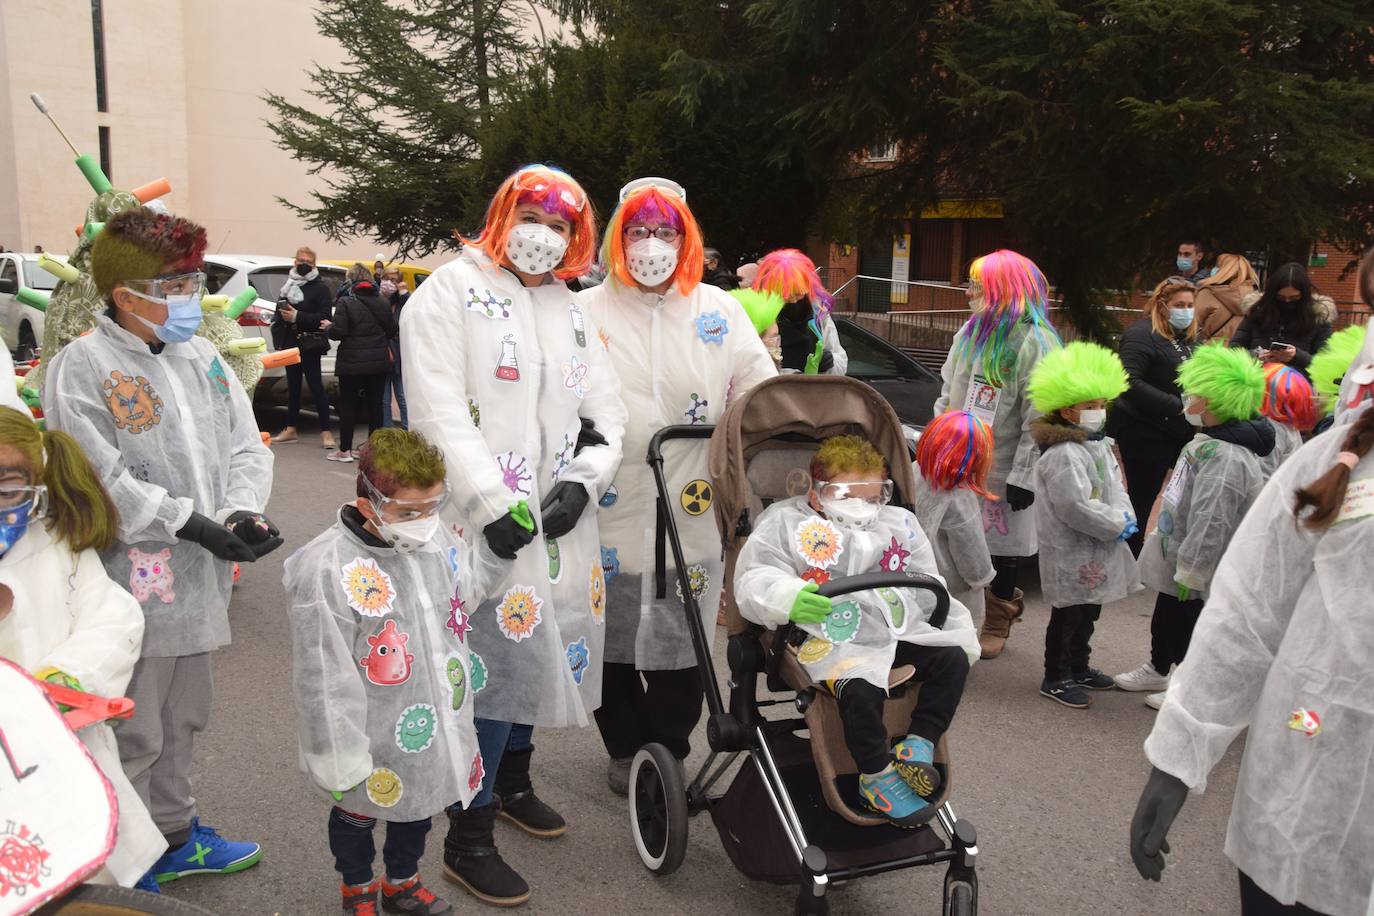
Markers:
point(1092, 679)
point(1066, 692)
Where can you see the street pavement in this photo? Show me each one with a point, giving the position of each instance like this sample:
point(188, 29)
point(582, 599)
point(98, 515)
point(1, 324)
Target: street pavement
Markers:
point(1050, 789)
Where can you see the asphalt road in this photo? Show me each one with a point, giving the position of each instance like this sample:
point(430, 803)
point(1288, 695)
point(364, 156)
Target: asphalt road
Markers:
point(1051, 790)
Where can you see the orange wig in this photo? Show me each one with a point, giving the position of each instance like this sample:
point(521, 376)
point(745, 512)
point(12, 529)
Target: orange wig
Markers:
point(954, 451)
point(661, 207)
point(556, 192)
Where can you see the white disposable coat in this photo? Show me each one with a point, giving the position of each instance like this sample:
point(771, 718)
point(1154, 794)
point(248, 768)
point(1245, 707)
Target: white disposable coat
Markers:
point(382, 670)
point(498, 375)
point(1009, 412)
point(1287, 441)
point(169, 434)
point(680, 360)
point(1285, 649)
point(953, 520)
point(1081, 510)
point(859, 638)
point(9, 390)
point(68, 615)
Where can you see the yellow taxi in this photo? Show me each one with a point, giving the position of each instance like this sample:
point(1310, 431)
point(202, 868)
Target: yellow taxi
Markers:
point(412, 274)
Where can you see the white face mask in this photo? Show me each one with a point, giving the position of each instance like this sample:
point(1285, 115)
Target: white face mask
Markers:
point(651, 261)
point(851, 511)
point(408, 537)
point(1193, 418)
point(534, 248)
point(1092, 420)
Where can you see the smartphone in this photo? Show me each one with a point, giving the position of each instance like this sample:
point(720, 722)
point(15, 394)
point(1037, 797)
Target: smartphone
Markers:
point(1279, 345)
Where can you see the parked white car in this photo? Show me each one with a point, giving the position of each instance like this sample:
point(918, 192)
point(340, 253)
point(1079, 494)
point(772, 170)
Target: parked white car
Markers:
point(23, 324)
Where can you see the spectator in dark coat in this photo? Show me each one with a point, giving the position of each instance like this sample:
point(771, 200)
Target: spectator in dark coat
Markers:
point(1289, 323)
point(366, 330)
point(395, 291)
point(304, 304)
point(715, 274)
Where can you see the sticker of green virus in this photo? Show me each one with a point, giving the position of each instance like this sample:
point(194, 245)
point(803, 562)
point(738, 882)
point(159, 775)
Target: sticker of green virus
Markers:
point(477, 673)
point(843, 623)
point(457, 680)
point(415, 727)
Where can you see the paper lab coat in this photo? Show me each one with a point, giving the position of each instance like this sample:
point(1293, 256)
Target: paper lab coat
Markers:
point(1080, 510)
point(953, 520)
point(859, 638)
point(1287, 441)
point(384, 670)
point(68, 615)
point(1285, 649)
point(680, 360)
point(1009, 412)
point(168, 434)
point(497, 375)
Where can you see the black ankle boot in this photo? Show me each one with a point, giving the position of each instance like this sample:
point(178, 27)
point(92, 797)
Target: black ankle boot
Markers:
point(519, 804)
point(472, 861)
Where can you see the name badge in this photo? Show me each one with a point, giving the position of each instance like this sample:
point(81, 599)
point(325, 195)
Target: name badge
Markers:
point(1359, 501)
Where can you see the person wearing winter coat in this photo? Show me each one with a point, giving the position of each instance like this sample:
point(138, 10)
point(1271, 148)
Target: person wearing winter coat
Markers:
point(1291, 408)
point(715, 273)
point(1083, 515)
point(366, 329)
point(63, 619)
point(844, 527)
point(1217, 477)
point(809, 339)
point(503, 367)
point(396, 292)
point(681, 350)
point(383, 672)
point(985, 374)
point(1147, 420)
point(304, 304)
point(1223, 297)
point(1289, 323)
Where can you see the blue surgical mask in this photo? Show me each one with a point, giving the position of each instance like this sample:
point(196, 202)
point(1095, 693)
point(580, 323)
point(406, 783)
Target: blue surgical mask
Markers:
point(183, 317)
point(1180, 318)
point(13, 525)
point(1185, 264)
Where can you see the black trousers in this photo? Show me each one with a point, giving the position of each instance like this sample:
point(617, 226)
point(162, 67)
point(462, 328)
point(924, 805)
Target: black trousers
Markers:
point(1147, 458)
point(1255, 902)
point(941, 671)
point(1066, 640)
point(1171, 629)
point(641, 707)
point(309, 370)
point(350, 839)
point(360, 397)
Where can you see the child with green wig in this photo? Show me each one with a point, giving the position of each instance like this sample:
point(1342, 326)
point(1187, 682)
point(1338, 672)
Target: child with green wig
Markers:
point(1328, 369)
point(1217, 477)
point(1083, 514)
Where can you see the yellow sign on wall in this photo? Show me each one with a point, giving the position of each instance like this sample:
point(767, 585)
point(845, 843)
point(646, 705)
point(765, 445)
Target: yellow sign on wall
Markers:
point(901, 267)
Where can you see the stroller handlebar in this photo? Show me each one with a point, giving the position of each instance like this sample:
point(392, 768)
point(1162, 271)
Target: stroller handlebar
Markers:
point(865, 581)
point(681, 431)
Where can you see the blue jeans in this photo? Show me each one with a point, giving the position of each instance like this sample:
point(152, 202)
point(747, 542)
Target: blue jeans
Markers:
point(493, 740)
point(393, 383)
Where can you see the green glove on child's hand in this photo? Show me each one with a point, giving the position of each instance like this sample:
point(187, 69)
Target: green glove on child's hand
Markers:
point(809, 607)
point(1184, 592)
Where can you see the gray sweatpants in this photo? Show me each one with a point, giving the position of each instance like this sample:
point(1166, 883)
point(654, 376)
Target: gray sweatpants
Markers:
point(172, 699)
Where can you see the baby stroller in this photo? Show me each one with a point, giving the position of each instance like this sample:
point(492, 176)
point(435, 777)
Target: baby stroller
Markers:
point(791, 813)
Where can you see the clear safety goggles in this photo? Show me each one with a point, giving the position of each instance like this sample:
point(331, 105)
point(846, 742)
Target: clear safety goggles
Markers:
point(875, 491)
point(538, 182)
point(22, 500)
point(662, 233)
point(391, 509)
point(188, 284)
point(664, 185)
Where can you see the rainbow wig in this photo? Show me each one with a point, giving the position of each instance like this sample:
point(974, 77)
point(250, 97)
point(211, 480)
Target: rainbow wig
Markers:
point(1229, 378)
point(1333, 361)
point(762, 308)
point(792, 275)
point(655, 205)
point(1288, 397)
point(955, 450)
point(557, 193)
point(1014, 290)
point(1074, 374)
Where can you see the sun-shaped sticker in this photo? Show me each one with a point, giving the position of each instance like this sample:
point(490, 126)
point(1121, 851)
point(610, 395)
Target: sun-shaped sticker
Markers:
point(367, 587)
point(596, 593)
point(519, 612)
point(818, 542)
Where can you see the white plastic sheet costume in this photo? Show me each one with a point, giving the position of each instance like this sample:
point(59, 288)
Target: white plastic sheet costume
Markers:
point(1287, 441)
point(153, 426)
point(383, 671)
point(953, 520)
point(498, 376)
point(859, 638)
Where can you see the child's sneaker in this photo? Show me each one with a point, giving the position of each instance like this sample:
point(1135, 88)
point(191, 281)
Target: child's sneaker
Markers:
point(205, 853)
point(359, 899)
point(888, 794)
point(148, 884)
point(1143, 679)
point(410, 896)
point(1067, 692)
point(914, 760)
point(1092, 679)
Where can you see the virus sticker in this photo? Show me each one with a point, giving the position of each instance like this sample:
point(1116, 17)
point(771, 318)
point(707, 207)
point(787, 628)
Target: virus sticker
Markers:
point(415, 727)
point(458, 617)
point(610, 563)
point(711, 327)
point(576, 374)
point(596, 593)
point(696, 413)
point(818, 576)
point(477, 673)
point(813, 650)
point(609, 497)
point(453, 561)
point(994, 517)
point(23, 861)
point(579, 659)
point(367, 587)
point(555, 560)
point(133, 402)
point(818, 542)
point(457, 681)
point(387, 661)
point(384, 788)
point(519, 612)
point(476, 773)
point(151, 574)
point(843, 623)
point(895, 557)
point(1306, 721)
point(1092, 574)
point(515, 473)
point(217, 377)
point(488, 305)
point(697, 579)
point(896, 611)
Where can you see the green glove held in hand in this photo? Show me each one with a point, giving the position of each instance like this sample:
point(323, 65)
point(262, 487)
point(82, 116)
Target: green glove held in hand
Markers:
point(809, 607)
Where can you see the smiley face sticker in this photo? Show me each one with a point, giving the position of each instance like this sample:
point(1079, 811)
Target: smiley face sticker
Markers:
point(813, 650)
point(415, 727)
point(384, 788)
point(843, 623)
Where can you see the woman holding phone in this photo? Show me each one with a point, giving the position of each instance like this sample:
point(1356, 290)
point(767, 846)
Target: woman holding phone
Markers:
point(1289, 323)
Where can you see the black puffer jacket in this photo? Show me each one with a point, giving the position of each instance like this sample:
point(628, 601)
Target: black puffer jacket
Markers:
point(314, 307)
point(365, 327)
point(1154, 399)
point(1257, 435)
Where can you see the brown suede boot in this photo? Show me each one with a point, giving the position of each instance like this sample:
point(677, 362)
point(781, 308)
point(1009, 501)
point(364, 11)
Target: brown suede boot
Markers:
point(1001, 614)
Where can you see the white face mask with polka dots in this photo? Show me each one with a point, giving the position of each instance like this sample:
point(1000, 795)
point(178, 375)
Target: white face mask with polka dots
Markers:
point(534, 248)
point(651, 261)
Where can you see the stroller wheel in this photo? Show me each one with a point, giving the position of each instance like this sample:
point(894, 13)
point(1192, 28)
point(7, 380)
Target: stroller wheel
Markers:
point(658, 809)
point(960, 899)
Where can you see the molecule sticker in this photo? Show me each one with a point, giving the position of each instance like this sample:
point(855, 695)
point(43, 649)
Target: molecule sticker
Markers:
point(555, 560)
point(488, 305)
point(843, 623)
point(697, 580)
point(476, 773)
point(151, 574)
point(895, 557)
point(610, 563)
point(457, 680)
point(507, 366)
point(576, 375)
point(818, 542)
point(367, 587)
point(609, 497)
point(477, 673)
point(1306, 721)
point(458, 617)
point(133, 402)
point(579, 659)
point(596, 593)
point(384, 788)
point(475, 413)
point(712, 327)
point(415, 727)
point(813, 650)
point(515, 473)
point(216, 375)
point(696, 497)
point(388, 662)
point(563, 457)
point(696, 413)
point(519, 612)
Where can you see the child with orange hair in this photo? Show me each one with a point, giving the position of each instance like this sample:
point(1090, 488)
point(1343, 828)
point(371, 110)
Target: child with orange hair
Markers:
point(953, 458)
point(810, 343)
point(1291, 407)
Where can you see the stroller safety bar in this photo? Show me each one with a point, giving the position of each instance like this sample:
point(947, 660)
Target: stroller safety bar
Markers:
point(864, 581)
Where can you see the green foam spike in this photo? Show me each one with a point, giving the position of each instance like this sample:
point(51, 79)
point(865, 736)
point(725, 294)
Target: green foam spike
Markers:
point(33, 298)
point(93, 229)
point(239, 304)
point(94, 174)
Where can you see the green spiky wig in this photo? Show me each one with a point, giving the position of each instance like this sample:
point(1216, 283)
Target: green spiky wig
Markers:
point(1229, 378)
point(761, 307)
point(1332, 362)
point(1074, 374)
point(140, 243)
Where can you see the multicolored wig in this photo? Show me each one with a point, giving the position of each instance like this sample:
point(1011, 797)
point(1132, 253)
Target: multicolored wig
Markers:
point(761, 307)
point(1328, 368)
point(954, 451)
point(557, 193)
point(1288, 397)
point(792, 275)
point(655, 205)
point(1014, 290)
point(140, 244)
point(1229, 378)
point(1076, 373)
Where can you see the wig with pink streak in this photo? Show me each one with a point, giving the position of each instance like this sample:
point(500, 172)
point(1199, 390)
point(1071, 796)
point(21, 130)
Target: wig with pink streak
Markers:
point(1288, 397)
point(555, 192)
point(650, 206)
point(1014, 290)
point(792, 275)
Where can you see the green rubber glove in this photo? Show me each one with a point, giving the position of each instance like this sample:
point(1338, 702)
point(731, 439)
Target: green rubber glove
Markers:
point(809, 607)
point(521, 513)
point(1184, 592)
point(63, 679)
point(813, 362)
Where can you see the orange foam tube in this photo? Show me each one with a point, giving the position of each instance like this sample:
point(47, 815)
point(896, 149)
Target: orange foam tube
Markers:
point(281, 358)
point(152, 190)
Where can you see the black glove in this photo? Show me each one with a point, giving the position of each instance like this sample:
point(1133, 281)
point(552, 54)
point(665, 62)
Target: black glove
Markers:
point(1159, 804)
point(255, 530)
point(826, 364)
point(506, 536)
point(563, 507)
point(1019, 498)
point(216, 538)
point(588, 437)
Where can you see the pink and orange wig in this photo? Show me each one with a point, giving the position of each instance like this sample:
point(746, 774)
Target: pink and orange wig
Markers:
point(1288, 397)
point(557, 193)
point(1014, 290)
point(653, 206)
point(792, 275)
point(954, 451)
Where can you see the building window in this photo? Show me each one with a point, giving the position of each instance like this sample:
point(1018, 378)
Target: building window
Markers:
point(98, 30)
point(886, 153)
point(105, 151)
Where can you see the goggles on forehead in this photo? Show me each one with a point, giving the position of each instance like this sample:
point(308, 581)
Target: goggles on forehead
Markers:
point(665, 185)
point(537, 182)
point(15, 500)
point(875, 491)
point(392, 509)
point(187, 284)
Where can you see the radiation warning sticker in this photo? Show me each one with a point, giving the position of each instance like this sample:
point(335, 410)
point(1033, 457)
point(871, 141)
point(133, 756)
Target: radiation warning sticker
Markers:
point(813, 650)
point(696, 497)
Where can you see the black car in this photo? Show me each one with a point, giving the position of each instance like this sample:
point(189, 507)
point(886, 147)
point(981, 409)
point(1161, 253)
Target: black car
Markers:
point(908, 386)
